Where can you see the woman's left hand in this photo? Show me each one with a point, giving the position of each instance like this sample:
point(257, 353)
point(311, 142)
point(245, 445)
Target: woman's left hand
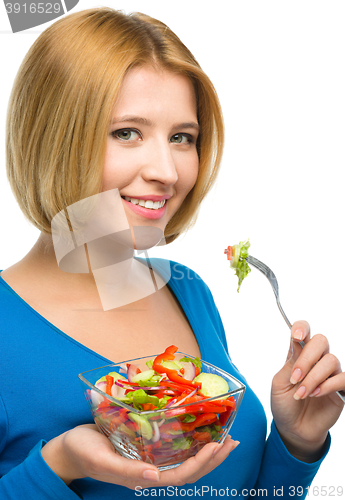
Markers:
point(303, 399)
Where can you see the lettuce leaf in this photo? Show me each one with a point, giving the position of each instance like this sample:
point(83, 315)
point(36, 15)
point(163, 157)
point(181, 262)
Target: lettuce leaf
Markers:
point(182, 443)
point(195, 361)
point(238, 262)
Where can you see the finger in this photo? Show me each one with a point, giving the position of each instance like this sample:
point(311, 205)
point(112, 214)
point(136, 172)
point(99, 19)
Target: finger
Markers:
point(310, 355)
point(300, 331)
point(209, 457)
point(97, 459)
point(220, 454)
point(327, 366)
point(331, 385)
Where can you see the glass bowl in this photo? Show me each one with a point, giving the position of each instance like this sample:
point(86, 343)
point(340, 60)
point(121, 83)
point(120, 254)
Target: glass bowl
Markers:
point(168, 436)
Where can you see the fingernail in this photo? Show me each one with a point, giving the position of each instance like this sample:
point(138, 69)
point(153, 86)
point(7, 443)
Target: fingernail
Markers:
point(151, 475)
point(217, 448)
point(296, 375)
point(299, 393)
point(315, 392)
point(298, 335)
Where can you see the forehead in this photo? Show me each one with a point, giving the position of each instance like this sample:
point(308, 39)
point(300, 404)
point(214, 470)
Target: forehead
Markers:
point(154, 91)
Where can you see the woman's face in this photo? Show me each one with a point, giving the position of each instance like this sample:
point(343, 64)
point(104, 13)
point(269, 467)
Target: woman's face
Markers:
point(151, 154)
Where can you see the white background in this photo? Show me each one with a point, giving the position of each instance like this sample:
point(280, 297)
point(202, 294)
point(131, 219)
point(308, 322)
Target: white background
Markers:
point(278, 67)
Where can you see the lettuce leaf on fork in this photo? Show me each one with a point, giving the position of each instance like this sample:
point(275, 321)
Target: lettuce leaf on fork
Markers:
point(237, 260)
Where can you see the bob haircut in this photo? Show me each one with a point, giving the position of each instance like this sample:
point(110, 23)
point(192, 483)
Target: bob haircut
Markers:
point(60, 109)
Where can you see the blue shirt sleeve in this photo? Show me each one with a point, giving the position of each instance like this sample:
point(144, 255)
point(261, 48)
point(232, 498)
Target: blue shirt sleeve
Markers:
point(283, 475)
point(34, 477)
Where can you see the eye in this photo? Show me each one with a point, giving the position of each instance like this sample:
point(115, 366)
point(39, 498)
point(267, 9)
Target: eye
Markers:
point(126, 134)
point(182, 139)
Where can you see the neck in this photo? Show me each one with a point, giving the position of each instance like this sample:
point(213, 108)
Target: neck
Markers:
point(111, 274)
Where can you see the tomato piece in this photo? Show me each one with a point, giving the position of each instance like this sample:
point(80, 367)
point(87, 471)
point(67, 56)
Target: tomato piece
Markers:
point(202, 436)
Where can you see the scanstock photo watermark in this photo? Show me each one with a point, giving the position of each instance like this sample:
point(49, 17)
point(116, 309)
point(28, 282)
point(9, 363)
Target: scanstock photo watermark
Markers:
point(209, 491)
point(24, 15)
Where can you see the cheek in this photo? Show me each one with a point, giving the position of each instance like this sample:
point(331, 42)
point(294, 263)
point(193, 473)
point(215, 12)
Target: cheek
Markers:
point(189, 174)
point(117, 171)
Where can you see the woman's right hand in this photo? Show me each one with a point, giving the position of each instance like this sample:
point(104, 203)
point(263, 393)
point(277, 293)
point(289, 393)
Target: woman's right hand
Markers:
point(85, 452)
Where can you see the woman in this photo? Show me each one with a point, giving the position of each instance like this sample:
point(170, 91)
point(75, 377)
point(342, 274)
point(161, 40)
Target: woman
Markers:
point(105, 102)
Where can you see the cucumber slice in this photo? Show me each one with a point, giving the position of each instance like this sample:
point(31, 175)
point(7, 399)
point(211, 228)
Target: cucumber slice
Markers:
point(143, 376)
point(212, 385)
point(172, 365)
point(145, 428)
point(235, 256)
point(123, 428)
point(115, 375)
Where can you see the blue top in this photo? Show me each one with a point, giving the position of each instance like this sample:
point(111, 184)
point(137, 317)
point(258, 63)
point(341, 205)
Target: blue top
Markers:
point(41, 397)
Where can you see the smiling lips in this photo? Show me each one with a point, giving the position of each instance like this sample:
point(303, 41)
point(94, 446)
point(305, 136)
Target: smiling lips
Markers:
point(153, 205)
point(150, 208)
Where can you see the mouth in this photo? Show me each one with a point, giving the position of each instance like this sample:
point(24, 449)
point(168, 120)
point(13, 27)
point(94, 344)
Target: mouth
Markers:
point(150, 204)
point(153, 207)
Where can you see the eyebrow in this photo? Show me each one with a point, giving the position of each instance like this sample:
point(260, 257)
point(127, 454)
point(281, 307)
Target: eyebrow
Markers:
point(145, 121)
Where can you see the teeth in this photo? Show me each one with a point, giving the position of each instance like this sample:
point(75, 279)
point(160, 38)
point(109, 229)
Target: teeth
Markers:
point(154, 205)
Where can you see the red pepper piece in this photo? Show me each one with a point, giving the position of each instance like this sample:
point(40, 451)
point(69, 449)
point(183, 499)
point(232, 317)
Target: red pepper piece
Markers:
point(167, 392)
point(173, 375)
point(223, 418)
point(110, 382)
point(192, 399)
point(148, 406)
point(206, 418)
point(195, 408)
point(103, 405)
point(124, 413)
point(177, 387)
point(133, 426)
point(224, 402)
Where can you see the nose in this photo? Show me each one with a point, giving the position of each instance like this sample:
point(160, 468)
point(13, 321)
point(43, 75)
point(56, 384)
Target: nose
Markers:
point(160, 164)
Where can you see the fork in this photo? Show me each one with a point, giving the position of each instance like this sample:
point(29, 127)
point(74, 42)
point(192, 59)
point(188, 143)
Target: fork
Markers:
point(266, 271)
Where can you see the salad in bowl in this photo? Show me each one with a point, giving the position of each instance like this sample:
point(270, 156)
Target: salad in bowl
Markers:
point(162, 409)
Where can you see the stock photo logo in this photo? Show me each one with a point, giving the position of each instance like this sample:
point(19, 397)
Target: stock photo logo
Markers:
point(93, 236)
point(27, 14)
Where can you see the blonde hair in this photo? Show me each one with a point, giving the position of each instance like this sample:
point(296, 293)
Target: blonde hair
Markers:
point(61, 102)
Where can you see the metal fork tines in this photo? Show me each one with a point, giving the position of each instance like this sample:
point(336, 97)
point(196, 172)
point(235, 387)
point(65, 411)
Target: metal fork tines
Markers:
point(274, 283)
